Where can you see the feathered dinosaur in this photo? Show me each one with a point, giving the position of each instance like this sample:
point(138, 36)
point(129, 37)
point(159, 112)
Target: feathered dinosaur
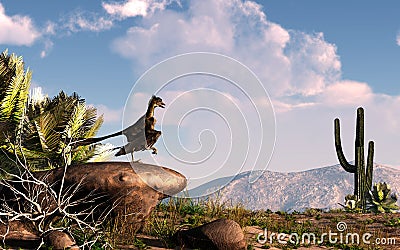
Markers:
point(140, 136)
point(151, 137)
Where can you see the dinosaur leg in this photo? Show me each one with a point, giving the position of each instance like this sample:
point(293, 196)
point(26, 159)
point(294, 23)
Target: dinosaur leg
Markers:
point(155, 151)
point(133, 159)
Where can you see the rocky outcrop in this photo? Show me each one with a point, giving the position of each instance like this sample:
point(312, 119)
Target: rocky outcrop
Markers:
point(130, 188)
point(125, 189)
point(221, 234)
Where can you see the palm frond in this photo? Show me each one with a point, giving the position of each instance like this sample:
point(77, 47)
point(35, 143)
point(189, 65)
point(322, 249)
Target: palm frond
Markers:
point(76, 121)
point(16, 93)
point(14, 86)
point(94, 128)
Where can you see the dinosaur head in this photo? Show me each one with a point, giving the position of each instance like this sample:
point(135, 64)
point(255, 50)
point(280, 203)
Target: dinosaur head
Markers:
point(156, 101)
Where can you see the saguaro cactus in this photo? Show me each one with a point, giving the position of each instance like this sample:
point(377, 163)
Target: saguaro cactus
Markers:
point(362, 175)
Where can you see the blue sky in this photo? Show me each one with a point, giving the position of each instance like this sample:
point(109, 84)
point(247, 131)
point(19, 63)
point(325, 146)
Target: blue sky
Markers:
point(318, 60)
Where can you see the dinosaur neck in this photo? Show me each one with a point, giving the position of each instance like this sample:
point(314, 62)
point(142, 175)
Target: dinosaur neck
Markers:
point(150, 111)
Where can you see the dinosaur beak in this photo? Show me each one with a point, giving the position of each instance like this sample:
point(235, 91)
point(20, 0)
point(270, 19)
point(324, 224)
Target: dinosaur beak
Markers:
point(162, 105)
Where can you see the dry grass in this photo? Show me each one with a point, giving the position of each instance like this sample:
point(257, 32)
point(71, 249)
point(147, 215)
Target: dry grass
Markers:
point(183, 213)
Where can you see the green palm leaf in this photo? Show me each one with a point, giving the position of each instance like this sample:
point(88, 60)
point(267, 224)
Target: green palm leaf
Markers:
point(15, 95)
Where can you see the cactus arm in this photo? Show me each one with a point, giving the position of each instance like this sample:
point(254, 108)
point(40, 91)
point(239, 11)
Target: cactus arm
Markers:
point(339, 150)
point(370, 165)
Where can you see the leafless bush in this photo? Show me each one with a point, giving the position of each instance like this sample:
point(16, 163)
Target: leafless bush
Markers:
point(47, 205)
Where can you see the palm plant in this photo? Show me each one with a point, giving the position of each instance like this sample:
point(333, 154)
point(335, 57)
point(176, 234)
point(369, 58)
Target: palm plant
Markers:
point(39, 129)
point(381, 200)
point(14, 86)
point(53, 124)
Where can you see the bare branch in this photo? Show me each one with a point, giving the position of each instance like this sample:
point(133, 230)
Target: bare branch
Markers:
point(33, 199)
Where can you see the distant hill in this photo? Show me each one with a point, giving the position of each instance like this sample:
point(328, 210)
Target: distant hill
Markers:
point(317, 188)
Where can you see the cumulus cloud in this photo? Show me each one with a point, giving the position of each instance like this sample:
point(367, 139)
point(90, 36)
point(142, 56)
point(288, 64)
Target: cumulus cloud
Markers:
point(16, 29)
point(288, 62)
point(299, 69)
point(314, 63)
point(347, 93)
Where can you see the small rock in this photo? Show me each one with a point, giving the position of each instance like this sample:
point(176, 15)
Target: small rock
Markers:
point(221, 234)
point(60, 240)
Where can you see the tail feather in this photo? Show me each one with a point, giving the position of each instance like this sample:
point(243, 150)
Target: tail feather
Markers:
point(88, 141)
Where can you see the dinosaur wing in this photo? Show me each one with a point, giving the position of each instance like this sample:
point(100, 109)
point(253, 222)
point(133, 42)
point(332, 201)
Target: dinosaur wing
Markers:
point(138, 144)
point(136, 131)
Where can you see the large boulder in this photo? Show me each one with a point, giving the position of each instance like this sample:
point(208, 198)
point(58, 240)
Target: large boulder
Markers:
point(221, 234)
point(128, 188)
point(131, 190)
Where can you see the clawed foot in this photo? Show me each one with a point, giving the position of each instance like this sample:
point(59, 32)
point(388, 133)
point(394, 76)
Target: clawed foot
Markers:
point(154, 150)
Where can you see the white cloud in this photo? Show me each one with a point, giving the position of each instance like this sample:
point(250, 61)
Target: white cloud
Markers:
point(288, 62)
point(132, 8)
point(87, 21)
point(281, 107)
point(127, 9)
point(17, 30)
point(314, 63)
point(388, 109)
point(50, 28)
point(110, 115)
point(347, 93)
point(48, 46)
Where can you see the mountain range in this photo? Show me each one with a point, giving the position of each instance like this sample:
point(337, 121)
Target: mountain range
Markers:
point(320, 188)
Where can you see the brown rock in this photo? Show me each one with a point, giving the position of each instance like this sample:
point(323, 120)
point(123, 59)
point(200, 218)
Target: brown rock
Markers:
point(222, 234)
point(60, 240)
point(19, 235)
point(133, 189)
